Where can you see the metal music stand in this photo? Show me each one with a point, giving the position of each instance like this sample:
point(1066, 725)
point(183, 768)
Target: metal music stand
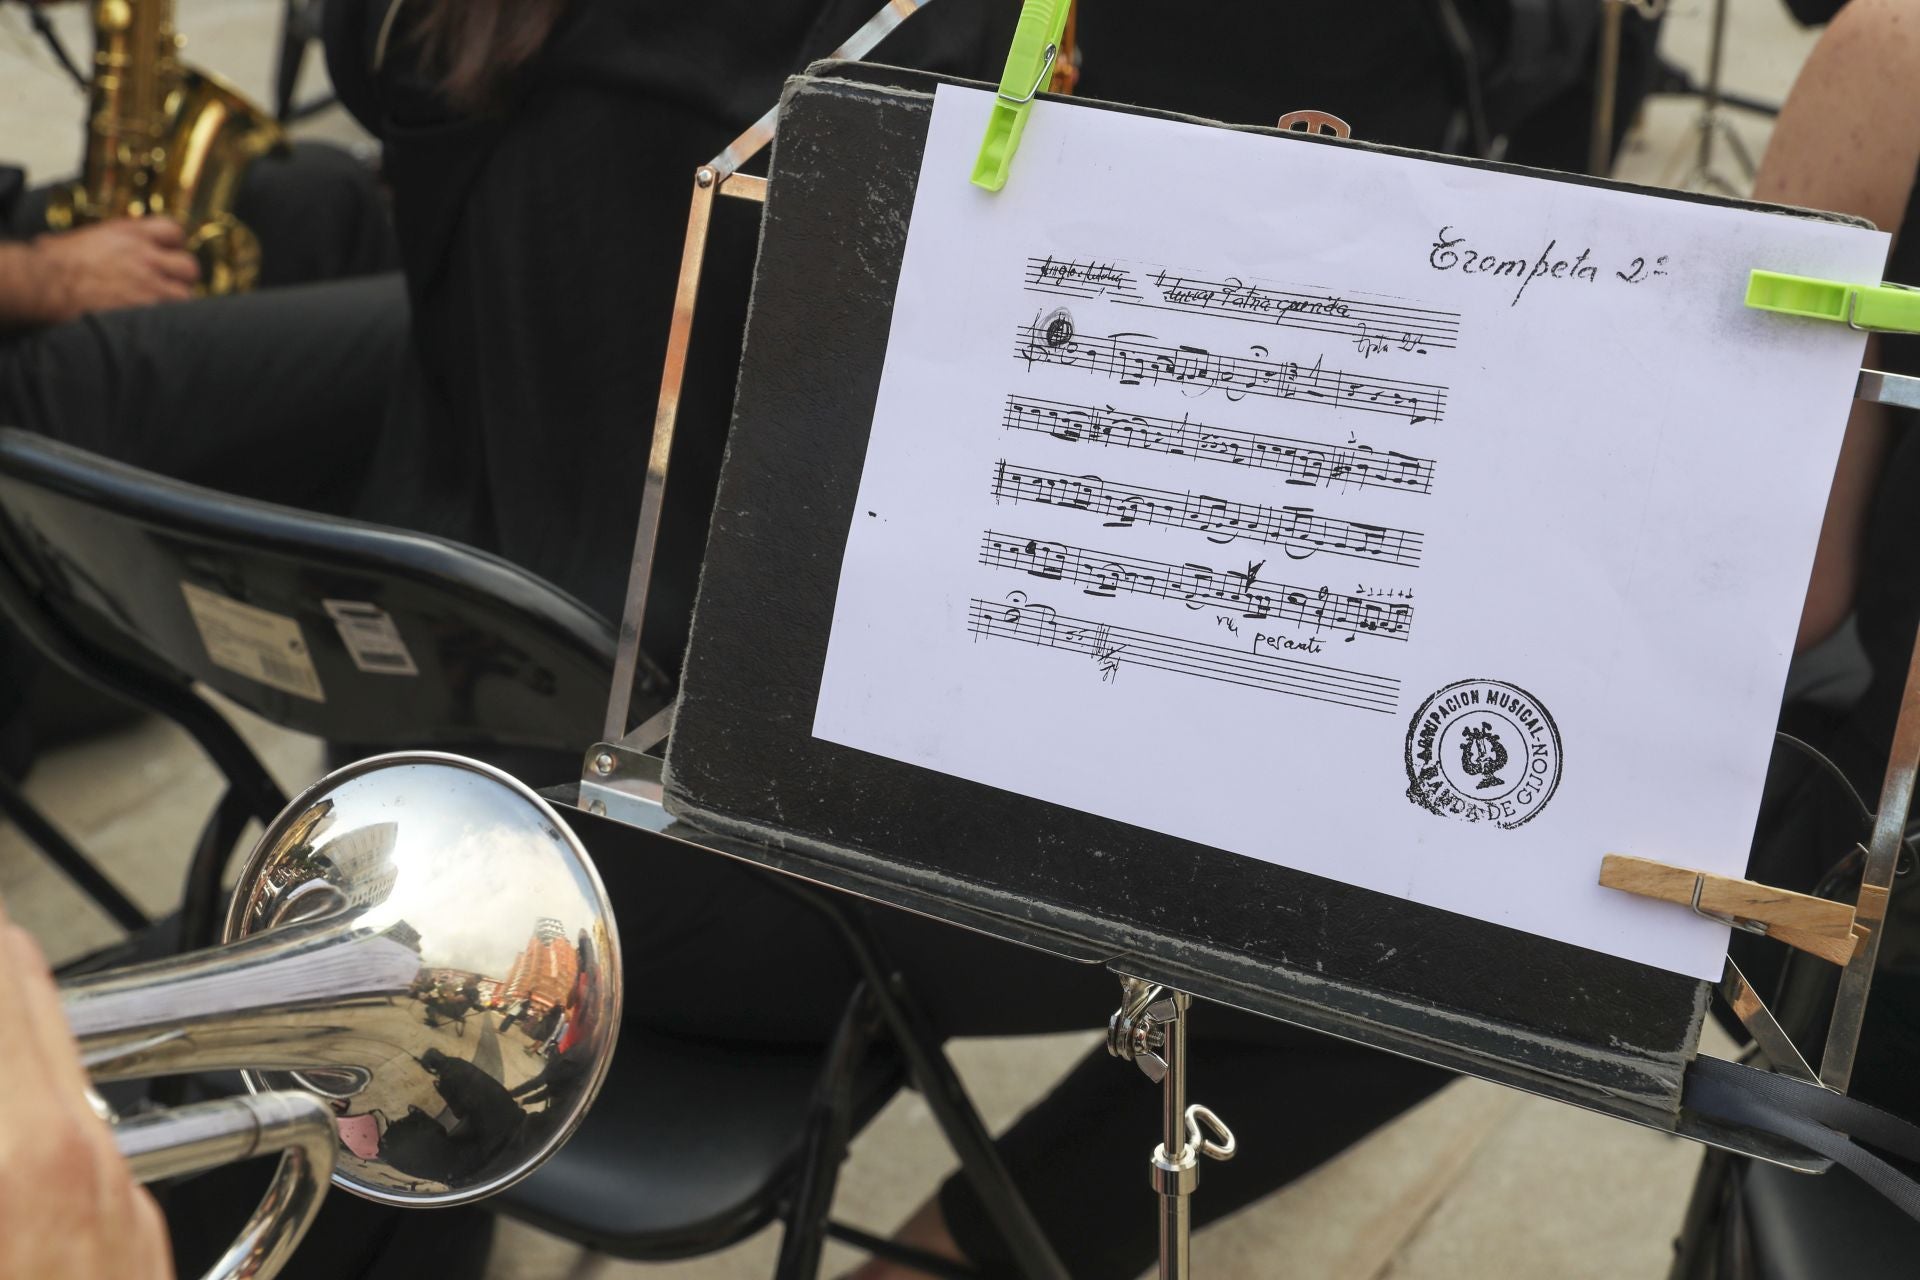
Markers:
point(1710, 126)
point(621, 780)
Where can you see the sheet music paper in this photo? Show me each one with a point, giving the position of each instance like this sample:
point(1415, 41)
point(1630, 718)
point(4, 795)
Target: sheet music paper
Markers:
point(1427, 528)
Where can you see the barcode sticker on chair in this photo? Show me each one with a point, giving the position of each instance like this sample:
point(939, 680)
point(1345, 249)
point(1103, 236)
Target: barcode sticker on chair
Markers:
point(256, 643)
point(372, 639)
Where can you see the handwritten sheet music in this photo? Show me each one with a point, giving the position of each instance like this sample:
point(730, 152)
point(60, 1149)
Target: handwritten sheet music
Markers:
point(1426, 528)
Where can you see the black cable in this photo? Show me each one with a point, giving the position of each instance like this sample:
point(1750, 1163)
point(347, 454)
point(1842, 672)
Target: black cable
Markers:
point(43, 27)
point(1832, 770)
point(1676, 81)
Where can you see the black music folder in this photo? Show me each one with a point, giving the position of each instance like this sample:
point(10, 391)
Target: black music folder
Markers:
point(1511, 1006)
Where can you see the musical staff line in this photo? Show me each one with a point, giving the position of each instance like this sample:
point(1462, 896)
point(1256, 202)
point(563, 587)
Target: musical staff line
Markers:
point(1113, 647)
point(1302, 462)
point(1297, 530)
point(1198, 586)
point(1394, 323)
point(1136, 359)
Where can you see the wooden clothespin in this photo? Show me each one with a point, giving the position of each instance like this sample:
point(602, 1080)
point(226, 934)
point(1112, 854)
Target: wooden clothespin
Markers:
point(1800, 920)
point(1036, 47)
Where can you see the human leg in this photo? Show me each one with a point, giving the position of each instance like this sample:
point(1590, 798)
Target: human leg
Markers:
point(276, 395)
point(319, 215)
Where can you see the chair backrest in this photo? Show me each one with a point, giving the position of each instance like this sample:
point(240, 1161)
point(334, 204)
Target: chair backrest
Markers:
point(352, 632)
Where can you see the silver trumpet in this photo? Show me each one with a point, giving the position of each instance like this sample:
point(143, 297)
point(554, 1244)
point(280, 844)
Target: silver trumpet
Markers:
point(419, 980)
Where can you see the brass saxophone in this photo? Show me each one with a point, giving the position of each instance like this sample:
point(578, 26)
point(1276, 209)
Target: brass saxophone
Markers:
point(166, 139)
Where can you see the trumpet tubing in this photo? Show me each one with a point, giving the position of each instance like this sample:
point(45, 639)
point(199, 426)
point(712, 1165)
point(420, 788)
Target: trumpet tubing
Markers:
point(172, 1144)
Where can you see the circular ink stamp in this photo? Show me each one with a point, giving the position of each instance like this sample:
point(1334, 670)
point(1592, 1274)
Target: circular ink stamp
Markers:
point(1483, 751)
point(1058, 328)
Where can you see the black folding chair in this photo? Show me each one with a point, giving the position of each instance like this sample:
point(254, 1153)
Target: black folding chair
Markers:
point(349, 632)
point(355, 633)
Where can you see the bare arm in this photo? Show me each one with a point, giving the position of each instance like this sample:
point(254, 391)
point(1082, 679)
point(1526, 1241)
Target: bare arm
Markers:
point(1849, 140)
point(123, 263)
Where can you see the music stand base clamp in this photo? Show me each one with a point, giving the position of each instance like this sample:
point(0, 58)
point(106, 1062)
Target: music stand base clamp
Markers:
point(1150, 1031)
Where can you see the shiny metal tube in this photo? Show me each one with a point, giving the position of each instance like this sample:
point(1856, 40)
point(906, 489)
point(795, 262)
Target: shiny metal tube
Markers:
point(1174, 1162)
point(271, 1002)
point(206, 1135)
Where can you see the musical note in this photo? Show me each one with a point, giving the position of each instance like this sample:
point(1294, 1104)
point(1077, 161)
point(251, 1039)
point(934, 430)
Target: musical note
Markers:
point(1299, 530)
point(1111, 648)
point(1308, 463)
point(1242, 591)
point(1138, 359)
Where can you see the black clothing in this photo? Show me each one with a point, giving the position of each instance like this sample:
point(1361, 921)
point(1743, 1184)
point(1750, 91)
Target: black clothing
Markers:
point(542, 243)
point(352, 1239)
point(1441, 75)
point(320, 216)
point(1889, 593)
point(1814, 13)
point(1558, 134)
point(1391, 74)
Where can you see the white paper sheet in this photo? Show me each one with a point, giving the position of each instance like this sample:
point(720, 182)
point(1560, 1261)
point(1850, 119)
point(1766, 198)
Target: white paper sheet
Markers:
point(1426, 528)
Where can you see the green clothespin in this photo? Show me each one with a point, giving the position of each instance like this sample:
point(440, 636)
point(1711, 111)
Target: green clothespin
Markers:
point(1036, 43)
point(1870, 308)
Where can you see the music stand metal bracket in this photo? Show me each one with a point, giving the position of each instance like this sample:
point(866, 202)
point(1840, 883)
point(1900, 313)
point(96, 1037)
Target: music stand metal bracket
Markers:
point(719, 176)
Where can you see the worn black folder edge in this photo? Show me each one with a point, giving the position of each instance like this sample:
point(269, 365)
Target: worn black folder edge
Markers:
point(1510, 1006)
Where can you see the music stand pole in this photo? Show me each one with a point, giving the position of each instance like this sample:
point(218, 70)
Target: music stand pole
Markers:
point(1606, 81)
point(1150, 1031)
point(1710, 108)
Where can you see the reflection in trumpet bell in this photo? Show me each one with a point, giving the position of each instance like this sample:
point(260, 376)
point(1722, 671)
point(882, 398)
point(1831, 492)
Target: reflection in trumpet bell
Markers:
point(420, 940)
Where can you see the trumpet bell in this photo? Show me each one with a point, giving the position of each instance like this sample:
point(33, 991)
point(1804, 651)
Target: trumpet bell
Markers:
point(455, 995)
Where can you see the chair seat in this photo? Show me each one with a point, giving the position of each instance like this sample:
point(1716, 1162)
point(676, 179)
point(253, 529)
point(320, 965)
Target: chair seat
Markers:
point(735, 1112)
point(1814, 1227)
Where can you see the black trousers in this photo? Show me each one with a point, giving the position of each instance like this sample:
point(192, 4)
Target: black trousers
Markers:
point(721, 951)
point(276, 395)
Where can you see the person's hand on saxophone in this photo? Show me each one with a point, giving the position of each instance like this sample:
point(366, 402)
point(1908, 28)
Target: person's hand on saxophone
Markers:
point(69, 1208)
point(124, 262)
